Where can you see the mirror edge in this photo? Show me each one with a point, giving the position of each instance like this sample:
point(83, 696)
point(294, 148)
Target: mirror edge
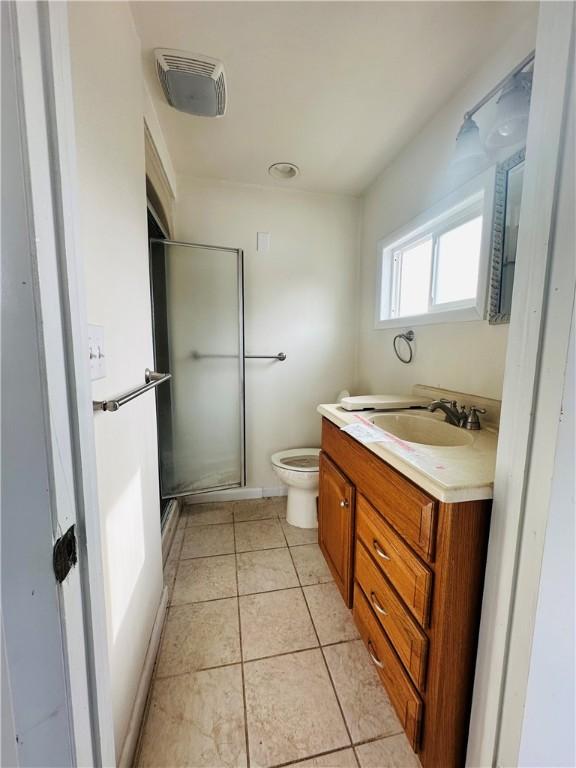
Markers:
point(495, 317)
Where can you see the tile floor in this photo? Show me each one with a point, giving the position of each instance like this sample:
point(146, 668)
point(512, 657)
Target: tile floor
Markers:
point(260, 663)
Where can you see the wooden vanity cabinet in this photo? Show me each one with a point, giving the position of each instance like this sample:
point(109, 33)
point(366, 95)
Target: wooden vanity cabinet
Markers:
point(414, 568)
point(336, 524)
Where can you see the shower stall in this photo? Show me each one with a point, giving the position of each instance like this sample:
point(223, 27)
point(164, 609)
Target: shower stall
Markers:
point(198, 319)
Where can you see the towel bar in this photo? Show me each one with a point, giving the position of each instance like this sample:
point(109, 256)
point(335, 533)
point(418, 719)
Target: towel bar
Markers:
point(152, 379)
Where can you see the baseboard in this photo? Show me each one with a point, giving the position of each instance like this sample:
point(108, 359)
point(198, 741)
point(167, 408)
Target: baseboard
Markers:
point(169, 527)
point(130, 742)
point(235, 494)
point(282, 490)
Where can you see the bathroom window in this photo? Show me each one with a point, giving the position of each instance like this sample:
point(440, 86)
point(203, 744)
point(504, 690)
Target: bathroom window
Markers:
point(436, 269)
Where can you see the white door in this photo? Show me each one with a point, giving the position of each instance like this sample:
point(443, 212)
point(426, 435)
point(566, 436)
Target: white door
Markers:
point(51, 708)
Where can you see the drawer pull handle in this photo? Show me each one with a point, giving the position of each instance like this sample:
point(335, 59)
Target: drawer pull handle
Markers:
point(373, 656)
point(344, 503)
point(379, 551)
point(376, 603)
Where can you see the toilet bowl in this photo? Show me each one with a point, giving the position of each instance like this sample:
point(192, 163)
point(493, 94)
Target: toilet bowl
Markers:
point(298, 469)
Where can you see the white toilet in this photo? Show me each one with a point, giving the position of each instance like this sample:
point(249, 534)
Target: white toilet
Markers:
point(298, 469)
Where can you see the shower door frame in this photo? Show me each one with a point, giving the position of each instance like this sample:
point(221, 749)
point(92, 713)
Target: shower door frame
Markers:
point(241, 358)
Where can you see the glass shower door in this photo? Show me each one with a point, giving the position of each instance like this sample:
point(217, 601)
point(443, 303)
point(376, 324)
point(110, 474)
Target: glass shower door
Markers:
point(197, 297)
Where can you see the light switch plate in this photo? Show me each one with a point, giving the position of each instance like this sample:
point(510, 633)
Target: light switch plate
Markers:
point(263, 242)
point(96, 352)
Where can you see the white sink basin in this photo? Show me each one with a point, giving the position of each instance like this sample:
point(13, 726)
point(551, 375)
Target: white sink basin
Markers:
point(423, 430)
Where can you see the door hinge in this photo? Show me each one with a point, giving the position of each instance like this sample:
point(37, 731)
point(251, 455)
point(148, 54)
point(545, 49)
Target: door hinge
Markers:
point(64, 555)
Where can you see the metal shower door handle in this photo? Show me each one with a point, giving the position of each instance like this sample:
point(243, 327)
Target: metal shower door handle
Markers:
point(200, 355)
point(280, 356)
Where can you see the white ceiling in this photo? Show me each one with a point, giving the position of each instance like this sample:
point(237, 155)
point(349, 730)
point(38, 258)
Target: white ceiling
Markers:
point(335, 87)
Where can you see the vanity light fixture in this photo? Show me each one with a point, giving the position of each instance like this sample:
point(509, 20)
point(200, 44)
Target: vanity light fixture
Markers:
point(511, 119)
point(283, 171)
point(513, 106)
point(468, 144)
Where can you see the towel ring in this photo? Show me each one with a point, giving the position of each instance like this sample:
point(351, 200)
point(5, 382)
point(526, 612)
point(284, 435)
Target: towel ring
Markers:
point(407, 338)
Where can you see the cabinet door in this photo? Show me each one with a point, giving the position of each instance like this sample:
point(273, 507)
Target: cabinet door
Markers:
point(336, 524)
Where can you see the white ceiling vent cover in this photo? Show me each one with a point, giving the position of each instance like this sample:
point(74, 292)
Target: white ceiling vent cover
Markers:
point(192, 82)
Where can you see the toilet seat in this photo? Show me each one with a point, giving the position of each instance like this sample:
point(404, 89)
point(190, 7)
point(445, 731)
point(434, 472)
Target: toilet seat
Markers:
point(298, 459)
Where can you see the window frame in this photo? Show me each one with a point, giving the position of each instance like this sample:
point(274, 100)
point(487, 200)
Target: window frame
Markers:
point(472, 199)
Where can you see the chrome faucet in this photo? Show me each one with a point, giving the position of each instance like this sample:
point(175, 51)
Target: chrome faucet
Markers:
point(459, 418)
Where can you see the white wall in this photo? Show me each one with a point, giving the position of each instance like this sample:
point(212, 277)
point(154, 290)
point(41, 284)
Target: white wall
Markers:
point(300, 298)
point(108, 101)
point(466, 356)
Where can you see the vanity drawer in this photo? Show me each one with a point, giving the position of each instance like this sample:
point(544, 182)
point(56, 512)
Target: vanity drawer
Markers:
point(407, 508)
point(403, 695)
point(409, 641)
point(411, 578)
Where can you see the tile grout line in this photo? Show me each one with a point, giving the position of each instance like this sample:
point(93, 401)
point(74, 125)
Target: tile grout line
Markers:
point(236, 663)
point(353, 744)
point(255, 519)
point(372, 739)
point(247, 551)
point(246, 736)
point(337, 697)
point(310, 757)
point(186, 515)
point(248, 594)
point(206, 557)
point(334, 751)
point(328, 671)
point(322, 653)
point(257, 658)
point(230, 597)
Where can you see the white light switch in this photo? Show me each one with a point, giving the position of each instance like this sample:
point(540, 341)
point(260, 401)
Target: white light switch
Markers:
point(96, 352)
point(263, 242)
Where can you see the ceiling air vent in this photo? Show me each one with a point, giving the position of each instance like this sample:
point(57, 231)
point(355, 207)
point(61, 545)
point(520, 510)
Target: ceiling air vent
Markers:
point(191, 82)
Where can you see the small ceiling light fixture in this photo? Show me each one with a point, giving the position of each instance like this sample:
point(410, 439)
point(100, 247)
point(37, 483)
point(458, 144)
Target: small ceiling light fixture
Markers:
point(511, 122)
point(283, 171)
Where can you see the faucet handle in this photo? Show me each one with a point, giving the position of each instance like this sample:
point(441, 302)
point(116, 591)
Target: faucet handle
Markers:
point(472, 421)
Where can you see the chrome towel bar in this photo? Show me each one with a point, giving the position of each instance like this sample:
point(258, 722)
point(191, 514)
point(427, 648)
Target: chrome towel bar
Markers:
point(152, 379)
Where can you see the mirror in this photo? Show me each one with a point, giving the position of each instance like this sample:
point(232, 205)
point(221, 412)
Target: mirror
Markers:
point(507, 203)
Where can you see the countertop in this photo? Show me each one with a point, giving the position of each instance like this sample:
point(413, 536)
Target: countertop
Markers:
point(450, 474)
